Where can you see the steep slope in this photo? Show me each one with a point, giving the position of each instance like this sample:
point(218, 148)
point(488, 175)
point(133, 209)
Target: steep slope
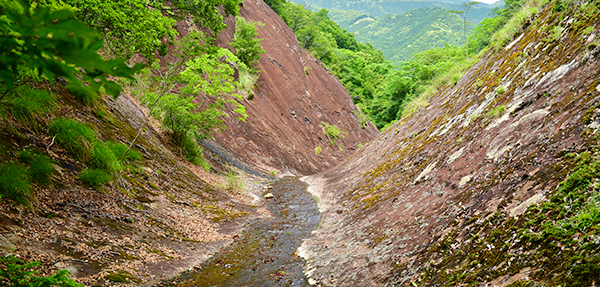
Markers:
point(294, 96)
point(157, 218)
point(438, 198)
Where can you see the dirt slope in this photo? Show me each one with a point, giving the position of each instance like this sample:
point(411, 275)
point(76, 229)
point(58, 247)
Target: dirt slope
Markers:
point(430, 186)
point(157, 218)
point(294, 95)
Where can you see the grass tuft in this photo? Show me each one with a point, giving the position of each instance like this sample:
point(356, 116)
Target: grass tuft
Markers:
point(103, 157)
point(30, 103)
point(73, 136)
point(119, 150)
point(94, 178)
point(82, 93)
point(40, 166)
point(14, 183)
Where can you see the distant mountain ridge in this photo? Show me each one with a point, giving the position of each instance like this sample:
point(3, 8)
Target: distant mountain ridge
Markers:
point(400, 36)
point(378, 9)
point(401, 28)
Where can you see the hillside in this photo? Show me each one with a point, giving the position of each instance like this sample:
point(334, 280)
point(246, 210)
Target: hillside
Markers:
point(399, 36)
point(294, 95)
point(492, 183)
point(73, 196)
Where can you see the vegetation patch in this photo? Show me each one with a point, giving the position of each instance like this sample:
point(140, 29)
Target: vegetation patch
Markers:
point(14, 183)
point(121, 276)
point(73, 136)
point(40, 169)
point(94, 178)
point(496, 112)
point(82, 93)
point(26, 103)
point(333, 132)
point(15, 272)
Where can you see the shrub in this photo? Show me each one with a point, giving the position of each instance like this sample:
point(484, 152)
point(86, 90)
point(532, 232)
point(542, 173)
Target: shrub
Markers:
point(15, 272)
point(190, 150)
point(247, 82)
point(333, 132)
point(94, 178)
point(73, 136)
point(14, 183)
point(83, 94)
point(246, 44)
point(40, 166)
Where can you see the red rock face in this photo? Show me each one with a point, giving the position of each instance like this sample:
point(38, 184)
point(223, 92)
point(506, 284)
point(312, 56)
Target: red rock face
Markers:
point(475, 151)
point(284, 118)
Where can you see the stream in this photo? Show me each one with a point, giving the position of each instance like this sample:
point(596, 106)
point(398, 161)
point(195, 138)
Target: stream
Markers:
point(263, 255)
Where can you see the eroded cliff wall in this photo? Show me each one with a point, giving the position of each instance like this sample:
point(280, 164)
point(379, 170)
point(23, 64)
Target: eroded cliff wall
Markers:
point(420, 202)
point(293, 96)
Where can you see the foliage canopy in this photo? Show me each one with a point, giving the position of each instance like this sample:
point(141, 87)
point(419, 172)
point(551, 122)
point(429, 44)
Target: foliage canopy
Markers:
point(38, 42)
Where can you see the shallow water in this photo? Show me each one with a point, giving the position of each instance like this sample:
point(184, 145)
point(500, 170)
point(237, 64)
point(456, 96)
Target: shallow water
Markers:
point(263, 255)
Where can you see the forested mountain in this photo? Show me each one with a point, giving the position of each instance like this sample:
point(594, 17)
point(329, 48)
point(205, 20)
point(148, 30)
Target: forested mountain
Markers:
point(400, 36)
point(379, 8)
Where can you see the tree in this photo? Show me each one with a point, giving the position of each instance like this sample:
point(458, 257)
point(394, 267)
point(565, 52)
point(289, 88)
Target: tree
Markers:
point(129, 26)
point(463, 14)
point(246, 44)
point(43, 43)
point(206, 88)
point(206, 13)
point(146, 26)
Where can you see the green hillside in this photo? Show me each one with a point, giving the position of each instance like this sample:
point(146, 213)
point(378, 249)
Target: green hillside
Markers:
point(400, 36)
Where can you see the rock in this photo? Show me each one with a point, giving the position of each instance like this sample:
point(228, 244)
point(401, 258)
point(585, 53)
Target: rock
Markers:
point(268, 195)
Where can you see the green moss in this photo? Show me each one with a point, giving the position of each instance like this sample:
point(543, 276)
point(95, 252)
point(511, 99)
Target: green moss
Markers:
point(221, 215)
point(121, 276)
point(160, 253)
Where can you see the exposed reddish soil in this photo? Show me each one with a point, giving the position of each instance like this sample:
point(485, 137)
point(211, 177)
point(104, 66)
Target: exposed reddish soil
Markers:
point(159, 217)
point(284, 118)
point(475, 150)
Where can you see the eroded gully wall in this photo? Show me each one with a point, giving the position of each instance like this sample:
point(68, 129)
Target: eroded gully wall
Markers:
point(453, 161)
point(284, 118)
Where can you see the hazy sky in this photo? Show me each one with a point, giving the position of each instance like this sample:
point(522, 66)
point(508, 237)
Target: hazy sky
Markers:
point(488, 1)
